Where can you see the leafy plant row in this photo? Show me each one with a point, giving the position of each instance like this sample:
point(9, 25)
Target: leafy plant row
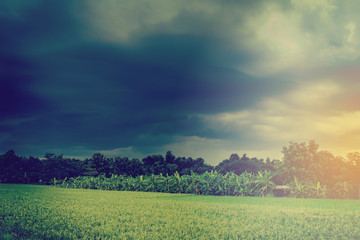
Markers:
point(209, 183)
point(301, 189)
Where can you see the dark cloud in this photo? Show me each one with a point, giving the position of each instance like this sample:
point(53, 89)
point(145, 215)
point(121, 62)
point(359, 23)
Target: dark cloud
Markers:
point(77, 92)
point(26, 26)
point(15, 78)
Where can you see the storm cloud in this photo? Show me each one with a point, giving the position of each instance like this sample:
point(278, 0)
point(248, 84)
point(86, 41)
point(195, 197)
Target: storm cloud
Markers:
point(202, 80)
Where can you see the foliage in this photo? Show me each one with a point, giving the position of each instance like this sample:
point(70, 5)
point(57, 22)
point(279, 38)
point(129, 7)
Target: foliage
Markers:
point(343, 189)
point(45, 212)
point(318, 173)
point(264, 183)
point(15, 169)
point(299, 161)
point(239, 165)
point(297, 189)
point(209, 183)
point(307, 190)
point(314, 173)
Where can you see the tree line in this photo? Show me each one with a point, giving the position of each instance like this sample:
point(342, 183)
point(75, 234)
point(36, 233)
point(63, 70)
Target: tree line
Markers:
point(19, 169)
point(306, 171)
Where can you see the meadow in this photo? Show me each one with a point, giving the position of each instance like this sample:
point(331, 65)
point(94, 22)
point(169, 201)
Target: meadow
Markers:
point(46, 212)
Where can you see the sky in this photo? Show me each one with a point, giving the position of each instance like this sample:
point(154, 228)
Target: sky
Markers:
point(198, 78)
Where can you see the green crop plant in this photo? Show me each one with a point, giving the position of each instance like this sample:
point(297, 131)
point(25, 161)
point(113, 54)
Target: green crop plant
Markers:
point(46, 212)
point(342, 189)
point(209, 183)
point(298, 189)
point(318, 190)
point(263, 182)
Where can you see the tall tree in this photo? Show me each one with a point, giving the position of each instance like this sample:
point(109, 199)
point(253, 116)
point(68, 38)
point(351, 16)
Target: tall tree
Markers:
point(299, 161)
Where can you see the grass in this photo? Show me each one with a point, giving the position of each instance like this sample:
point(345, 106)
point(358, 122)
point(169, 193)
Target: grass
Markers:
point(45, 212)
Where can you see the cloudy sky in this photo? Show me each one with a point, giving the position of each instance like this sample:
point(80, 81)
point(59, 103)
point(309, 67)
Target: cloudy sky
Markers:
point(199, 78)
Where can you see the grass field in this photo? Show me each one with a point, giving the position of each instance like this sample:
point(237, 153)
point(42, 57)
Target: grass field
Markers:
point(45, 212)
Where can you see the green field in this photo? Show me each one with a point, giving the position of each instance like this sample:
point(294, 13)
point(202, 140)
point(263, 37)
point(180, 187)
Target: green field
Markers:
point(45, 212)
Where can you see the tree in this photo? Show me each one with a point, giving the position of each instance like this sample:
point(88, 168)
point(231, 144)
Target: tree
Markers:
point(171, 167)
point(33, 168)
point(125, 166)
point(299, 161)
point(239, 165)
point(169, 158)
point(320, 172)
point(354, 166)
point(11, 168)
